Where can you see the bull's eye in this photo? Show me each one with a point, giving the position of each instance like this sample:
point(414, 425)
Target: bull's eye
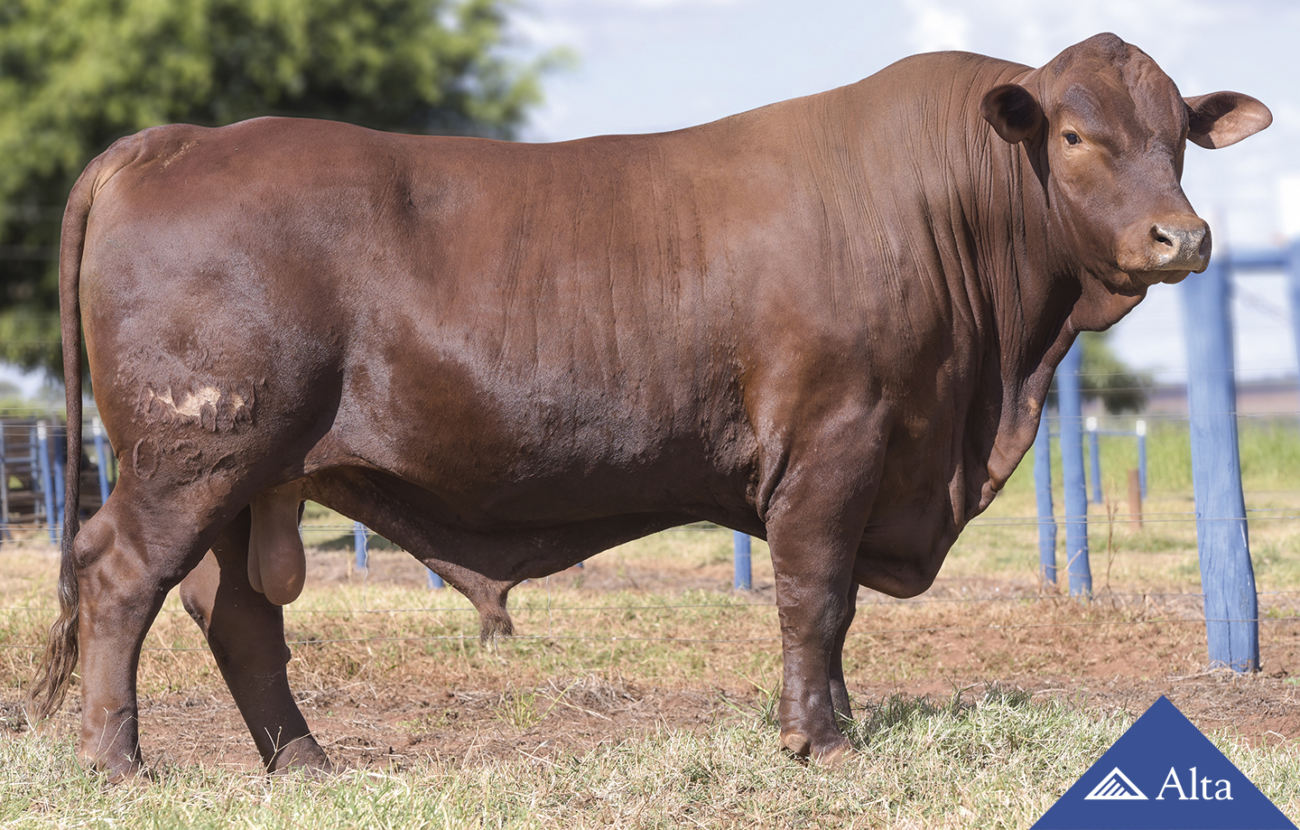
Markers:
point(1073, 139)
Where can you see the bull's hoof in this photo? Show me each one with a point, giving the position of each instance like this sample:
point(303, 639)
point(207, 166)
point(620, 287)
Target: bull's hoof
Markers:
point(830, 752)
point(304, 755)
point(796, 743)
point(116, 770)
point(835, 754)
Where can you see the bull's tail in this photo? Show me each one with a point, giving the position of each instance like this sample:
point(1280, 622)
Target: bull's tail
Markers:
point(55, 671)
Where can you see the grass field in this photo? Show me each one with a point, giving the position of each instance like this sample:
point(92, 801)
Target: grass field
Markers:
point(640, 690)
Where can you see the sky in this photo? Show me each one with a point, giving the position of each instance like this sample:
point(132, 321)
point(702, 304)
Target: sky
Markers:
point(649, 65)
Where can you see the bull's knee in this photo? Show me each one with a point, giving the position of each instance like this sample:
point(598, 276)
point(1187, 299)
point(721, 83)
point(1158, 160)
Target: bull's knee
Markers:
point(93, 540)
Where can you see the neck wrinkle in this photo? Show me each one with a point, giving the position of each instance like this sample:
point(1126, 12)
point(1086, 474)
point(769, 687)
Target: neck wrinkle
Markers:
point(1030, 291)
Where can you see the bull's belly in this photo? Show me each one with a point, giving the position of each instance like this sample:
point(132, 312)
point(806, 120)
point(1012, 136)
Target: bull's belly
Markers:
point(483, 481)
point(524, 449)
point(505, 551)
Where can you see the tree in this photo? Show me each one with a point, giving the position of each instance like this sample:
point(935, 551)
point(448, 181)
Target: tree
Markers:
point(77, 74)
point(1104, 376)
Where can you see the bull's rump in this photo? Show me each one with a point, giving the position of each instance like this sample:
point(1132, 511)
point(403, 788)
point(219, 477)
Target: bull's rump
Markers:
point(521, 330)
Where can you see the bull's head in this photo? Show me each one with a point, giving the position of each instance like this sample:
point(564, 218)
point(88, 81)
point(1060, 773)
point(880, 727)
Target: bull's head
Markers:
point(1105, 130)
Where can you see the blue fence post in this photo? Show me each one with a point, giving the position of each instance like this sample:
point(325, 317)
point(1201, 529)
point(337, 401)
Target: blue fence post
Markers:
point(1227, 577)
point(743, 579)
point(47, 478)
point(101, 457)
point(1094, 456)
point(1141, 430)
point(1070, 399)
point(1293, 290)
point(58, 463)
point(4, 485)
point(435, 581)
point(359, 534)
point(34, 468)
point(1043, 489)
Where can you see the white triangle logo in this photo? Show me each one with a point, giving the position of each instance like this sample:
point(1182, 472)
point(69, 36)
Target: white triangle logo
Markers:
point(1116, 786)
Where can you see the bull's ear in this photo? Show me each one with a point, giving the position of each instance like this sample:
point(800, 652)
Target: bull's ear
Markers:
point(1013, 112)
point(1223, 118)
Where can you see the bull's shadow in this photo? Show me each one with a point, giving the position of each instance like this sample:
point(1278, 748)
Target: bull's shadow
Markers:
point(876, 722)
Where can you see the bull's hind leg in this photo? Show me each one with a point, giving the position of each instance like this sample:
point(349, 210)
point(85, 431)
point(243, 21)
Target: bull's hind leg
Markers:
point(246, 633)
point(128, 556)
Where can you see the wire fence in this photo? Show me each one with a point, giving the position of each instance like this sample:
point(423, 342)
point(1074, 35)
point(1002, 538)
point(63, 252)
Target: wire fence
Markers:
point(1281, 614)
point(872, 632)
point(1279, 506)
point(21, 476)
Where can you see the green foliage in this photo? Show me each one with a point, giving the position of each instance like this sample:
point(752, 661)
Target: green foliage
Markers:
point(77, 74)
point(1104, 376)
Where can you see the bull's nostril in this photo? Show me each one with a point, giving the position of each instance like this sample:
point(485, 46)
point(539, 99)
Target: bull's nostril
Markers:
point(1161, 237)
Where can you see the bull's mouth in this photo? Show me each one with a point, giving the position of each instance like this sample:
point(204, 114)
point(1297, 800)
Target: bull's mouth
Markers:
point(1136, 282)
point(1175, 277)
point(1150, 278)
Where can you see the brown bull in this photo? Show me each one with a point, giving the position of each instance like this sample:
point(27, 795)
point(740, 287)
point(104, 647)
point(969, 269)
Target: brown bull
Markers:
point(830, 323)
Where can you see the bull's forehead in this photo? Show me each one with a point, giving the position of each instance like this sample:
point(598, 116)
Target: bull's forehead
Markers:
point(1109, 86)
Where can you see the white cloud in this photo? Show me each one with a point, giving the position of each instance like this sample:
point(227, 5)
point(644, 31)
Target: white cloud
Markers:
point(937, 26)
point(538, 33)
point(664, 4)
point(634, 5)
point(1032, 32)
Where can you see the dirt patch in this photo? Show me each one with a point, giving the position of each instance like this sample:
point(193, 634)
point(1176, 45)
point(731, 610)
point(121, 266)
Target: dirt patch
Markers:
point(554, 693)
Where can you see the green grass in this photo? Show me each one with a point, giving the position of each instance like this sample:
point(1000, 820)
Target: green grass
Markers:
point(1004, 541)
point(1269, 449)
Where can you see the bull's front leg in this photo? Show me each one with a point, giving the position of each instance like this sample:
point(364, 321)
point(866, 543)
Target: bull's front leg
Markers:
point(814, 529)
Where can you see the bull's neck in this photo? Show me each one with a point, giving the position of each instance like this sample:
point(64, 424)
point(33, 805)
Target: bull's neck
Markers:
point(1031, 286)
point(1016, 298)
point(1028, 298)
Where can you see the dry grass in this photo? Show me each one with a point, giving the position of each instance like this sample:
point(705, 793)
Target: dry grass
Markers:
point(640, 694)
point(640, 690)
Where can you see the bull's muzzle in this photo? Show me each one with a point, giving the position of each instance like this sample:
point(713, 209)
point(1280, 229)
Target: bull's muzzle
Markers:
point(1181, 244)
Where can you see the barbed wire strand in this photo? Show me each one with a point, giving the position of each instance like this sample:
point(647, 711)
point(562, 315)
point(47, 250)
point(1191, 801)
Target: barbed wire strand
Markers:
point(1098, 599)
point(617, 638)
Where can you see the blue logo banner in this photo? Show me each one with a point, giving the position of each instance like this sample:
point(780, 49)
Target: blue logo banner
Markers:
point(1163, 774)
